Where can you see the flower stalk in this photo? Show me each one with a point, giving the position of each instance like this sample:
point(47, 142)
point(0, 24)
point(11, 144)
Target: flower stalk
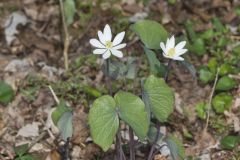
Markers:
point(151, 153)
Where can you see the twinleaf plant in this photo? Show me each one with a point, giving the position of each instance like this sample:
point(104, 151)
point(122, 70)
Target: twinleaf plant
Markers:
point(107, 111)
point(157, 100)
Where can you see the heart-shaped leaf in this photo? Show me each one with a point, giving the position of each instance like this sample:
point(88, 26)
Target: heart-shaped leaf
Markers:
point(150, 32)
point(225, 83)
point(160, 97)
point(132, 110)
point(104, 122)
point(222, 102)
point(205, 75)
point(230, 142)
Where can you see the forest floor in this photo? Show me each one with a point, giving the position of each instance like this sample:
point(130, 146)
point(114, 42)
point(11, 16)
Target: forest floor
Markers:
point(31, 60)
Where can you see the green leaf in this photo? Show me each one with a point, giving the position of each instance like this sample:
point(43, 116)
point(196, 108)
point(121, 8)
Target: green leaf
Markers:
point(205, 75)
point(152, 133)
point(21, 149)
point(225, 83)
point(69, 11)
point(190, 67)
point(208, 34)
point(132, 111)
point(150, 32)
point(92, 91)
point(27, 157)
point(198, 47)
point(116, 69)
point(222, 41)
point(229, 142)
point(156, 67)
point(201, 110)
point(104, 122)
point(6, 92)
point(176, 147)
point(190, 30)
point(222, 102)
point(59, 111)
point(172, 2)
point(160, 96)
point(225, 69)
point(131, 68)
point(218, 25)
point(212, 65)
point(146, 101)
point(65, 125)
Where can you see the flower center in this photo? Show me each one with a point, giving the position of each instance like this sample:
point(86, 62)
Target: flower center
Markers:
point(108, 44)
point(171, 52)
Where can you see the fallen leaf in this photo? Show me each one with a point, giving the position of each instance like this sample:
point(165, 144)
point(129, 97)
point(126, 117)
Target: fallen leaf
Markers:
point(11, 24)
point(30, 130)
point(159, 157)
point(54, 155)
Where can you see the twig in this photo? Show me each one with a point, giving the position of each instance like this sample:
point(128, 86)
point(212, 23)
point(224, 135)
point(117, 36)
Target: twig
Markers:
point(54, 95)
point(151, 154)
point(44, 133)
point(210, 100)
point(66, 40)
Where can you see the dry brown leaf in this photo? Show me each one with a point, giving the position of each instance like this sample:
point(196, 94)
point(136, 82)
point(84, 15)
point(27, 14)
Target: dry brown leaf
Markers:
point(159, 157)
point(54, 155)
point(81, 130)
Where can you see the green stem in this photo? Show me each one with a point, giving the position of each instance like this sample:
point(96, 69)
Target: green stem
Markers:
point(150, 156)
point(120, 153)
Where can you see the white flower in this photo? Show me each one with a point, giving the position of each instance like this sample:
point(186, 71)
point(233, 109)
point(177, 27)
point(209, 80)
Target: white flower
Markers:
point(106, 46)
point(173, 52)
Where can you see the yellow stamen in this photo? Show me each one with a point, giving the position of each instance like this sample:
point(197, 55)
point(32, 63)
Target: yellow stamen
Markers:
point(108, 44)
point(171, 52)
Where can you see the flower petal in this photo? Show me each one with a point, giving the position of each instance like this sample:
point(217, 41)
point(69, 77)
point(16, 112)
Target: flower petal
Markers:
point(178, 58)
point(99, 51)
point(96, 43)
point(181, 52)
point(171, 43)
point(167, 44)
point(117, 53)
point(106, 55)
point(163, 47)
point(118, 39)
point(120, 46)
point(180, 45)
point(101, 37)
point(165, 55)
point(107, 33)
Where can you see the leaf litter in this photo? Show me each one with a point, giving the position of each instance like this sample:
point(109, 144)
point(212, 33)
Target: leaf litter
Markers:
point(35, 49)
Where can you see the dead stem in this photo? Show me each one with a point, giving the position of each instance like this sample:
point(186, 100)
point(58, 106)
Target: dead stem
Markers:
point(210, 100)
point(66, 35)
point(54, 95)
